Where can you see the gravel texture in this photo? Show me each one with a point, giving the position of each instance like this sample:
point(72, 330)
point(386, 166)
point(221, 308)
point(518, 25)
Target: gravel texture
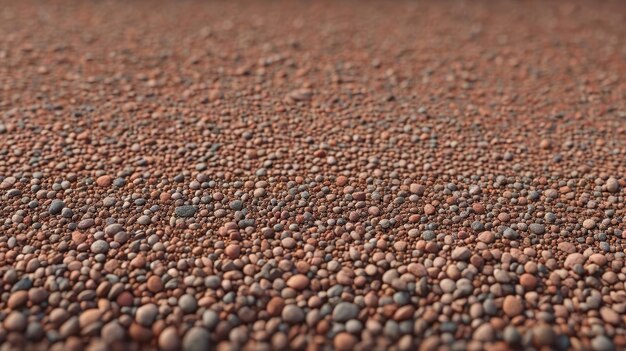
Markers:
point(312, 175)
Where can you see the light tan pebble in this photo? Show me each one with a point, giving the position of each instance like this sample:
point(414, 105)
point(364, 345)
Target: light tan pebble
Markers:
point(589, 224)
point(574, 259)
point(169, 339)
point(486, 237)
point(512, 306)
point(298, 282)
point(344, 341)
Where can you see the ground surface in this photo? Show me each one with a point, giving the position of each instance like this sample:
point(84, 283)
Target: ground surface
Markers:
point(312, 175)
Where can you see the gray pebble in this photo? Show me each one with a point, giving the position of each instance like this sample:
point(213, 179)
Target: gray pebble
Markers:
point(56, 207)
point(293, 314)
point(210, 319)
point(197, 339)
point(537, 228)
point(236, 205)
point(185, 211)
point(188, 303)
point(113, 229)
point(345, 311)
point(602, 343)
point(146, 314)
point(99, 246)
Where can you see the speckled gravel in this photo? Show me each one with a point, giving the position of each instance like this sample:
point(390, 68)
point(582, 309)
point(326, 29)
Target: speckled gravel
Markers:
point(312, 175)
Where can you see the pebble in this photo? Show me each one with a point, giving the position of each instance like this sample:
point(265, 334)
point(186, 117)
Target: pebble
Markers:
point(461, 254)
point(512, 306)
point(146, 314)
point(511, 335)
point(196, 339)
point(344, 342)
point(232, 251)
point(612, 185)
point(298, 282)
point(345, 311)
point(155, 284)
point(188, 303)
point(543, 335)
point(528, 281)
point(15, 322)
point(537, 228)
point(99, 247)
point(610, 316)
point(210, 319)
point(17, 299)
point(169, 340)
point(292, 314)
point(602, 343)
point(589, 224)
point(104, 181)
point(484, 333)
point(185, 211)
point(56, 207)
point(574, 259)
point(486, 237)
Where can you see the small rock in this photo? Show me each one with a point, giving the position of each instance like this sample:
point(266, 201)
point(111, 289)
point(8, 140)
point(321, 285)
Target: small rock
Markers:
point(404, 313)
point(232, 251)
point(484, 333)
point(486, 237)
point(344, 341)
point(113, 229)
point(589, 223)
point(567, 247)
point(298, 282)
point(612, 185)
point(104, 181)
point(461, 253)
point(17, 299)
point(275, 306)
point(543, 335)
point(188, 303)
point(197, 339)
point(56, 207)
point(345, 311)
point(511, 335)
point(528, 281)
point(15, 321)
point(610, 316)
point(429, 209)
point(146, 314)
point(537, 228)
point(155, 284)
point(574, 259)
point(292, 314)
point(602, 343)
point(169, 340)
point(512, 306)
point(99, 247)
point(185, 211)
point(89, 316)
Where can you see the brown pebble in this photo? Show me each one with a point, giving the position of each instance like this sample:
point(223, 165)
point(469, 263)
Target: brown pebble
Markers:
point(528, 281)
point(155, 284)
point(104, 181)
point(298, 282)
point(344, 341)
point(275, 306)
point(341, 181)
point(512, 306)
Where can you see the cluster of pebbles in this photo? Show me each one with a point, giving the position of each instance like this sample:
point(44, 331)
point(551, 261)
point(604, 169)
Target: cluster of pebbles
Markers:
point(312, 175)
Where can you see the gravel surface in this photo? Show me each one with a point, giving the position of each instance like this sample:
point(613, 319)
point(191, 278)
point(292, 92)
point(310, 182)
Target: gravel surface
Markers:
point(312, 175)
